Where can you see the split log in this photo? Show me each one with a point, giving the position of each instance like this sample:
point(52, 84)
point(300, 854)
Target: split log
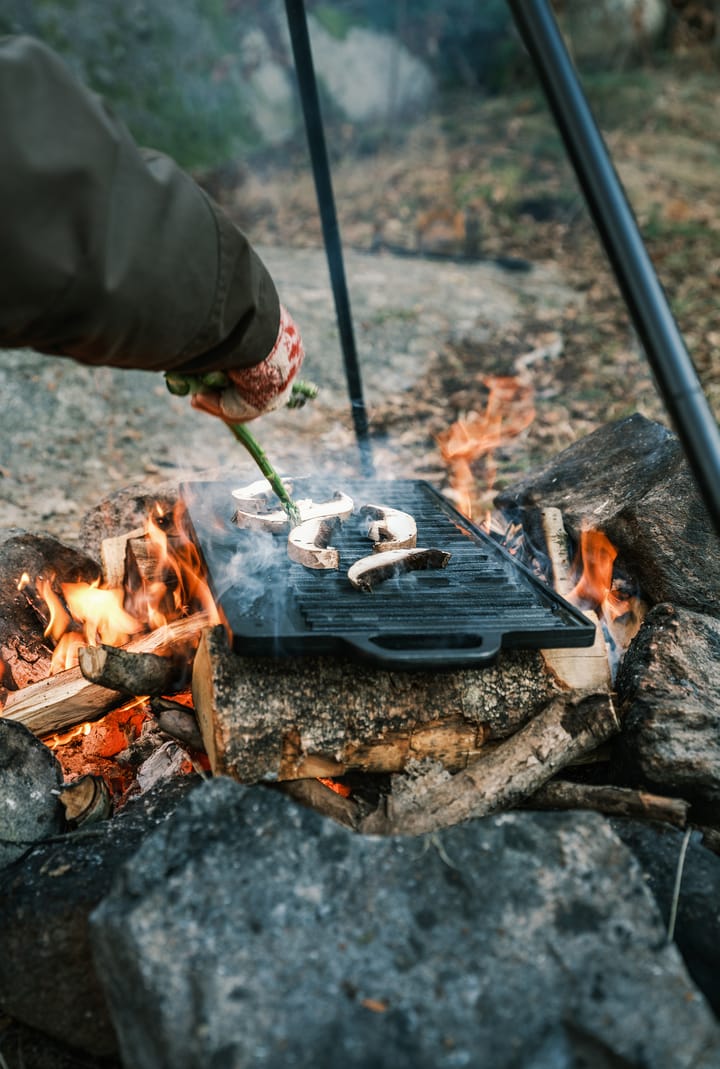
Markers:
point(630, 480)
point(138, 674)
point(669, 692)
point(112, 554)
point(613, 801)
point(295, 718)
point(66, 699)
point(503, 778)
point(584, 669)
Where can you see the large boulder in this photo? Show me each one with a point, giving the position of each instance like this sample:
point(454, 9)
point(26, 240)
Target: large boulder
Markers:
point(247, 931)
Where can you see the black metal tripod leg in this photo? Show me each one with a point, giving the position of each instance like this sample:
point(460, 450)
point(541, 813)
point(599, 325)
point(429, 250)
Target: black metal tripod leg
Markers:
point(669, 359)
point(302, 54)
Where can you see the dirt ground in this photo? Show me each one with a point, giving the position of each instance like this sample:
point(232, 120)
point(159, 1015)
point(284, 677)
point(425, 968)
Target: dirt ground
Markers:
point(535, 299)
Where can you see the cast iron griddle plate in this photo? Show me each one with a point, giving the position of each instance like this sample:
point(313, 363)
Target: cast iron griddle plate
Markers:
point(457, 616)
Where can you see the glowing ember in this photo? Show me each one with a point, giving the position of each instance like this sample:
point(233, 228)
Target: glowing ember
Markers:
point(334, 785)
point(509, 410)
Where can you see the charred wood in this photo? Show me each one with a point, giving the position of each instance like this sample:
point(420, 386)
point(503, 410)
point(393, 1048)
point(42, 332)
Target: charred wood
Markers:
point(178, 721)
point(630, 480)
point(295, 718)
point(24, 652)
point(145, 674)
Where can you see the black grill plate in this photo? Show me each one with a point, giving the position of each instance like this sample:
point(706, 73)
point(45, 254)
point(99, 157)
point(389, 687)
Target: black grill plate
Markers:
point(459, 616)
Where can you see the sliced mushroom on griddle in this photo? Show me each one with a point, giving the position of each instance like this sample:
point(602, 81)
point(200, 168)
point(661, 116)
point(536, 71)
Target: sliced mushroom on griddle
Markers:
point(309, 543)
point(389, 528)
point(339, 505)
point(368, 572)
point(256, 496)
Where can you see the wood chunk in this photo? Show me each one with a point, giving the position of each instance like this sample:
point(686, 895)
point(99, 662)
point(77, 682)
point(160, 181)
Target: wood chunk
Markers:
point(138, 674)
point(267, 719)
point(86, 801)
point(669, 689)
point(112, 554)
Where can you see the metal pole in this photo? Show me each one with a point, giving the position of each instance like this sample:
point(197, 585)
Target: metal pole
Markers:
point(302, 54)
point(665, 349)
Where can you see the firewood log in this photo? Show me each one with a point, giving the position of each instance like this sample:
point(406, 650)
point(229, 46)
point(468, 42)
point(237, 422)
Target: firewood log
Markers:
point(65, 699)
point(501, 779)
point(294, 718)
point(138, 674)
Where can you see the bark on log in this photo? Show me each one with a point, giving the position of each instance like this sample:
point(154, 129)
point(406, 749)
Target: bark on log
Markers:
point(613, 801)
point(669, 692)
point(139, 674)
point(67, 698)
point(630, 480)
point(503, 778)
point(295, 718)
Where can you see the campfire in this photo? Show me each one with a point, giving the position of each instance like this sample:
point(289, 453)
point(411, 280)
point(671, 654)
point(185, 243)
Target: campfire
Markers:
point(163, 666)
point(120, 712)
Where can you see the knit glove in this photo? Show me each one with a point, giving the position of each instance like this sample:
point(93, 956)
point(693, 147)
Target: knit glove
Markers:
point(254, 391)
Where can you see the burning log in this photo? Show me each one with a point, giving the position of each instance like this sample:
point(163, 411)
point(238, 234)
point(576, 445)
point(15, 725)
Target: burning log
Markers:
point(66, 699)
point(24, 652)
point(502, 778)
point(265, 718)
point(137, 674)
point(629, 480)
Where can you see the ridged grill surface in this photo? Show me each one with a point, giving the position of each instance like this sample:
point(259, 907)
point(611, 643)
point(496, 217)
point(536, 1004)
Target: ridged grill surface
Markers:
point(274, 605)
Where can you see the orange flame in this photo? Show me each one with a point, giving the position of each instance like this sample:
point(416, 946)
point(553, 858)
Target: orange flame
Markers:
point(621, 613)
point(509, 410)
point(88, 614)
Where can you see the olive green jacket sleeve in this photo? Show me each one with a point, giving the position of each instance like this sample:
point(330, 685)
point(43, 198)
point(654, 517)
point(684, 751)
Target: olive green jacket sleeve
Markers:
point(109, 253)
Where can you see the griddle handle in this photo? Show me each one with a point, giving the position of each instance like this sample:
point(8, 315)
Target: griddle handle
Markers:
point(388, 651)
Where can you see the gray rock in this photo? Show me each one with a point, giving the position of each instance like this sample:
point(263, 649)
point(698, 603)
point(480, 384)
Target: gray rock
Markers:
point(697, 927)
point(29, 773)
point(370, 76)
point(47, 976)
point(669, 690)
point(248, 932)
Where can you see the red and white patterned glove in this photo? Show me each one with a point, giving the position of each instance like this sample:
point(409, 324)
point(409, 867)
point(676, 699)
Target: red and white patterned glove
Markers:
point(255, 391)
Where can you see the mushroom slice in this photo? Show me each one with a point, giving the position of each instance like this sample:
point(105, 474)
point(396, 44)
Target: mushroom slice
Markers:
point(389, 528)
point(339, 505)
point(256, 497)
point(368, 572)
point(309, 543)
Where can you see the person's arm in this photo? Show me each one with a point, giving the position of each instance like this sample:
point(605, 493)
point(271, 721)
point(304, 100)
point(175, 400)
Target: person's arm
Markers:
point(111, 254)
